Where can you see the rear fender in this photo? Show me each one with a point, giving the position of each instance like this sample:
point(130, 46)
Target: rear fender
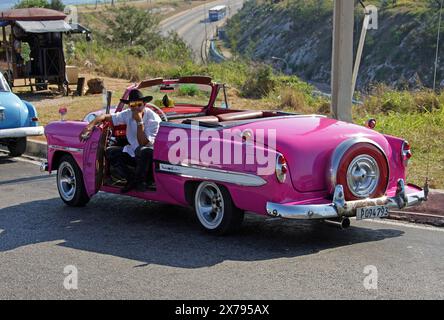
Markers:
point(32, 113)
point(398, 168)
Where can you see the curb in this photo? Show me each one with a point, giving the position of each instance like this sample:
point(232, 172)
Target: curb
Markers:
point(416, 217)
point(36, 148)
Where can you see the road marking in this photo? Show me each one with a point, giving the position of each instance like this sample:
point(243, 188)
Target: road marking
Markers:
point(405, 224)
point(24, 158)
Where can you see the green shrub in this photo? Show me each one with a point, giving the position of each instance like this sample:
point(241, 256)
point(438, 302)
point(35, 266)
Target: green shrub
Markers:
point(188, 90)
point(260, 82)
point(137, 51)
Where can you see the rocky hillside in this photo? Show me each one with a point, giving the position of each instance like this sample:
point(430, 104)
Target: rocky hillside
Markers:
point(400, 53)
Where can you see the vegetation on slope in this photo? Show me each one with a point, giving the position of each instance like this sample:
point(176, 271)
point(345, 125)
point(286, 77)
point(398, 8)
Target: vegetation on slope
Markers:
point(399, 53)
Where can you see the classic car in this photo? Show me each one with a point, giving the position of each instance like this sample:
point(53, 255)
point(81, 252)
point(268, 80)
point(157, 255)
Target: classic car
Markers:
point(225, 162)
point(18, 119)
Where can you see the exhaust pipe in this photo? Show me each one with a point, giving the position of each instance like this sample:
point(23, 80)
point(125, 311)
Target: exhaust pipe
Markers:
point(343, 223)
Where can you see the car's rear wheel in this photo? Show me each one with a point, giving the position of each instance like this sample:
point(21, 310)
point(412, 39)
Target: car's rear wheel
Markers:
point(363, 172)
point(17, 147)
point(215, 209)
point(70, 183)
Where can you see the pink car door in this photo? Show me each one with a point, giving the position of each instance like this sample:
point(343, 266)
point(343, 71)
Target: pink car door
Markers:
point(94, 160)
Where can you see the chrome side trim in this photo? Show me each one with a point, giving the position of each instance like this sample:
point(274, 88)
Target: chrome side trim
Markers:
point(339, 152)
point(70, 149)
point(203, 173)
point(341, 208)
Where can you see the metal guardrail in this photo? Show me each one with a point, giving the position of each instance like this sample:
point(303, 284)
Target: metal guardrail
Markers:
point(214, 54)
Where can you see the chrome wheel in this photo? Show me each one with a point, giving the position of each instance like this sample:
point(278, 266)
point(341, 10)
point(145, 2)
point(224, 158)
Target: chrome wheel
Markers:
point(66, 180)
point(363, 176)
point(209, 204)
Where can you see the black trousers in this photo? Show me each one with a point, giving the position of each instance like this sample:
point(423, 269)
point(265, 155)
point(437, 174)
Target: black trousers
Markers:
point(122, 161)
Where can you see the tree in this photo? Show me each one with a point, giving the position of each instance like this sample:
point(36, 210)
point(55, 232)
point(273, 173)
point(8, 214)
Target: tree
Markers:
point(32, 4)
point(57, 5)
point(130, 26)
point(54, 4)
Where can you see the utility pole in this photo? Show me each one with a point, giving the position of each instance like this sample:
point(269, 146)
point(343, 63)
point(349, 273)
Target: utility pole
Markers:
point(342, 60)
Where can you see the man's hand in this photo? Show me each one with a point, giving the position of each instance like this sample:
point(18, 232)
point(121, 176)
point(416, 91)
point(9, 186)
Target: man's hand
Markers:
point(86, 133)
point(137, 115)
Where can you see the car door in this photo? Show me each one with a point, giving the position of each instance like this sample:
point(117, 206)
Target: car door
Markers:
point(94, 159)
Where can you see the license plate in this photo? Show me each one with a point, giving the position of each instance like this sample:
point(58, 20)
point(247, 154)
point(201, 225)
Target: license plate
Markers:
point(372, 213)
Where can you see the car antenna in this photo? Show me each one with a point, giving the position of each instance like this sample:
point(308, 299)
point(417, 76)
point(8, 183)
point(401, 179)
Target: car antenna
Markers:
point(435, 71)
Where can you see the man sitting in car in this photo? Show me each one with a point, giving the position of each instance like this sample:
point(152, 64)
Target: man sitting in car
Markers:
point(142, 125)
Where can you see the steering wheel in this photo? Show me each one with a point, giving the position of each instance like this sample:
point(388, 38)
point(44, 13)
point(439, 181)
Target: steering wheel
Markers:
point(162, 114)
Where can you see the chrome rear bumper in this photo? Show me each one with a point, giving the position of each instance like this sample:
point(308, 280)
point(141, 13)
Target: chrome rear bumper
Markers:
point(340, 208)
point(21, 132)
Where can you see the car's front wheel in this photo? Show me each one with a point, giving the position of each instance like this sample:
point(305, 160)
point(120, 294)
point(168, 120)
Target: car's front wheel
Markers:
point(215, 209)
point(70, 183)
point(17, 147)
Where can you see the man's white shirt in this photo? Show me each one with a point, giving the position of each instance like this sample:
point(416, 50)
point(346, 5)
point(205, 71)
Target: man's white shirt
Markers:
point(151, 122)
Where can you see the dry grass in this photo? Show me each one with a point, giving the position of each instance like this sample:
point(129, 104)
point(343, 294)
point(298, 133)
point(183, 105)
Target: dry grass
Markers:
point(48, 104)
point(425, 133)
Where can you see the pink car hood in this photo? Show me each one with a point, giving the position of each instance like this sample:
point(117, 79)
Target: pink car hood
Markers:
point(307, 142)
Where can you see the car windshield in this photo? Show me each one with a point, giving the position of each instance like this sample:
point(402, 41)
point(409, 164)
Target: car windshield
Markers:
point(179, 94)
point(4, 87)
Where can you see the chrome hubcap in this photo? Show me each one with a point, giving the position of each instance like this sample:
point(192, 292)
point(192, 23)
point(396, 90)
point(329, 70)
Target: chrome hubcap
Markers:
point(66, 181)
point(209, 205)
point(363, 176)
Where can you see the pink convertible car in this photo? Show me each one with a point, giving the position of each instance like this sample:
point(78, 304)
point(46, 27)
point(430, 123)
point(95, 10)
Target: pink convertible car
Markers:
point(225, 162)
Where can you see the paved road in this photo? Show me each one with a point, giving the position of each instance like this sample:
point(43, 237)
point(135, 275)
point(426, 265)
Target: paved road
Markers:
point(191, 24)
point(127, 248)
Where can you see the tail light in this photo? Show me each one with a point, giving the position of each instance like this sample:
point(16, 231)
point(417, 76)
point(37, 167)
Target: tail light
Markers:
point(63, 111)
point(371, 123)
point(281, 168)
point(35, 119)
point(406, 153)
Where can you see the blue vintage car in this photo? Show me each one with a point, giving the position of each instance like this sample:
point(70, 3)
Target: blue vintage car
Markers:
point(18, 120)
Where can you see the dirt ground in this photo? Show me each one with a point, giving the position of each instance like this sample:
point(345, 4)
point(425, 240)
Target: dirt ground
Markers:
point(48, 103)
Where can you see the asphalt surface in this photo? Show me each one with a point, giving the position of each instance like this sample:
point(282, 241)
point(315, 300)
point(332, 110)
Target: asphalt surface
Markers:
point(128, 248)
point(193, 25)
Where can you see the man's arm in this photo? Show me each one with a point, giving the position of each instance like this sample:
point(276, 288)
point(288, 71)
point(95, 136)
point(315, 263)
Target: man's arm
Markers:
point(84, 135)
point(141, 136)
